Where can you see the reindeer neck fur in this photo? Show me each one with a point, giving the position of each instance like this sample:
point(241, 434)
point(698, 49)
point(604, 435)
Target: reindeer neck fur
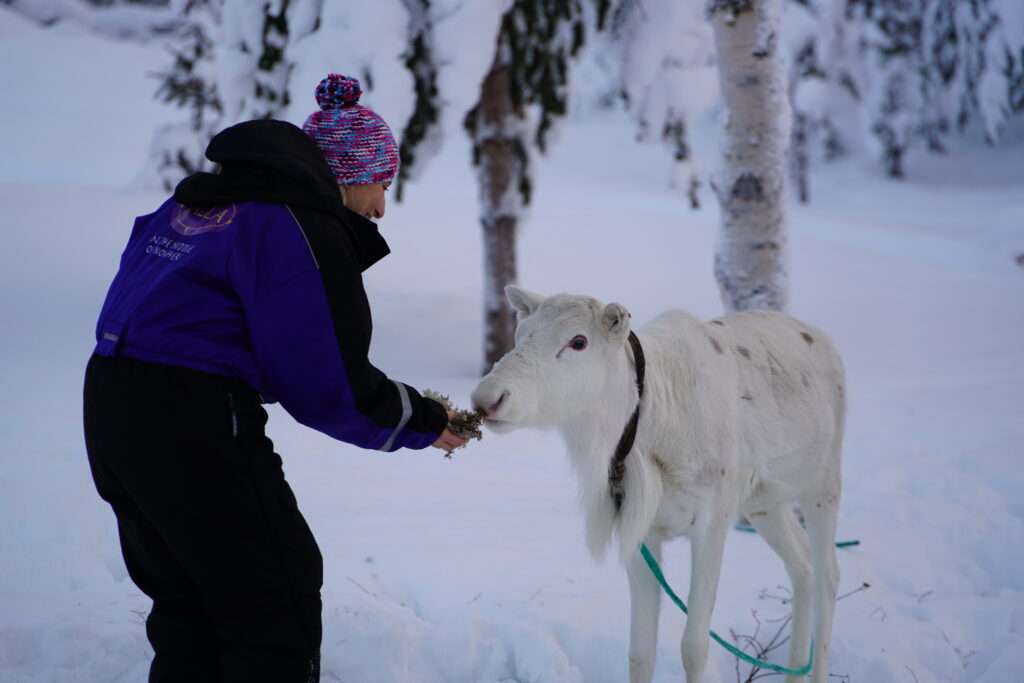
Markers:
point(597, 427)
point(591, 437)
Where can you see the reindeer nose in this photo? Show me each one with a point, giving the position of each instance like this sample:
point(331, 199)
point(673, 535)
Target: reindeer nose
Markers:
point(494, 407)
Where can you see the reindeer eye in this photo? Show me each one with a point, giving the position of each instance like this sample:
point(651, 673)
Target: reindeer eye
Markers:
point(578, 343)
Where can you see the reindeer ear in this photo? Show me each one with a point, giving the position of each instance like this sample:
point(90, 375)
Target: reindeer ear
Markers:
point(615, 321)
point(524, 301)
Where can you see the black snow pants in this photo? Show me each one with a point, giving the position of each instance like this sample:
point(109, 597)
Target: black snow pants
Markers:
point(209, 527)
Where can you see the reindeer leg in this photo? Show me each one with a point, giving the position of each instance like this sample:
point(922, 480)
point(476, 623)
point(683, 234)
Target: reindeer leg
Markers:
point(644, 605)
point(707, 541)
point(782, 532)
point(820, 512)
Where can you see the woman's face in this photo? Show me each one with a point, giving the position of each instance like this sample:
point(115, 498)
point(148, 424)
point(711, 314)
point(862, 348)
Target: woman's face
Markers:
point(366, 200)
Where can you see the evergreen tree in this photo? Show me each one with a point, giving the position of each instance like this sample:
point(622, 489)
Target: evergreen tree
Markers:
point(255, 69)
point(904, 74)
point(665, 51)
point(978, 53)
point(933, 67)
point(420, 135)
point(190, 84)
point(819, 86)
point(805, 70)
point(227, 68)
point(536, 42)
point(893, 42)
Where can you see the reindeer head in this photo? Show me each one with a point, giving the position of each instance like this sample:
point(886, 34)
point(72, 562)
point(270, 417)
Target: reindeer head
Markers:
point(565, 345)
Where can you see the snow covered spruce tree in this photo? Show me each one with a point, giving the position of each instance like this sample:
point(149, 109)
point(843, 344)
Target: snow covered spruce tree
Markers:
point(896, 105)
point(230, 65)
point(190, 84)
point(664, 53)
point(750, 260)
point(535, 44)
point(255, 66)
point(421, 136)
point(816, 79)
point(932, 68)
point(976, 50)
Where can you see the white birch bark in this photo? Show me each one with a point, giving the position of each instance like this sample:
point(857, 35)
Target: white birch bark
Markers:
point(751, 256)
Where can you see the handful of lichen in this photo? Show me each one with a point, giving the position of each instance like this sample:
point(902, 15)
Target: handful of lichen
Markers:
point(465, 424)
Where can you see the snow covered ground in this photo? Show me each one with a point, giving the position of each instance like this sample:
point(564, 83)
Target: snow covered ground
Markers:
point(474, 569)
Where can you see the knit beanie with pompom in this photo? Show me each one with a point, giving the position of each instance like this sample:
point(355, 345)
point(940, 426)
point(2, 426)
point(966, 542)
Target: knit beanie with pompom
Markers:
point(357, 144)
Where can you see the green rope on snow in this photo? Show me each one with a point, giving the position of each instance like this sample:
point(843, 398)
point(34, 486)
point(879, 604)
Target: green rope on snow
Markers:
point(839, 544)
point(656, 570)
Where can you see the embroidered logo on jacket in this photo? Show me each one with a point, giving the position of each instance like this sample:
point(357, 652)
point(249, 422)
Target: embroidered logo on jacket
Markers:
point(194, 221)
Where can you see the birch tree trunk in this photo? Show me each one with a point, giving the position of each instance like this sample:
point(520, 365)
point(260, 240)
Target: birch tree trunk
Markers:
point(751, 256)
point(496, 140)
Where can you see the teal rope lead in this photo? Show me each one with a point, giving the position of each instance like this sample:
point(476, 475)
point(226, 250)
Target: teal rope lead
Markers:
point(839, 544)
point(656, 570)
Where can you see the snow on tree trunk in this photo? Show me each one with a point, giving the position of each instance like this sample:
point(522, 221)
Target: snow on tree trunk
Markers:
point(750, 259)
point(500, 159)
point(532, 63)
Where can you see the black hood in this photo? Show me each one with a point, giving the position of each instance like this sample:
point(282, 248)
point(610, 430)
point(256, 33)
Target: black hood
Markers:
point(264, 161)
point(276, 162)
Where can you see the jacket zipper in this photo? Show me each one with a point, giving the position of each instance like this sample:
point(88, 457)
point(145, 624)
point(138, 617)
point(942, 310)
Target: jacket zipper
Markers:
point(234, 415)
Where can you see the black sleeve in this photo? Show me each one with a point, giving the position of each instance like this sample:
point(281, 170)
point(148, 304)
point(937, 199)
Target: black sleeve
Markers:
point(376, 396)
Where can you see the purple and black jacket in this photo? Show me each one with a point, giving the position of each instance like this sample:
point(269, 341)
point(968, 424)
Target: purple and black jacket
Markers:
point(255, 272)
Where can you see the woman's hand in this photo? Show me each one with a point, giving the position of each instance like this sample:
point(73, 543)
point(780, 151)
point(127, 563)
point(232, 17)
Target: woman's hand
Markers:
point(448, 441)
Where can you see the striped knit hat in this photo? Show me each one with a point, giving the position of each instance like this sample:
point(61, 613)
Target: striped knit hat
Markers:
point(357, 144)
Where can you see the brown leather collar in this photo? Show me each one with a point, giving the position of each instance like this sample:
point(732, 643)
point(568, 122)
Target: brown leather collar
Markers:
point(617, 466)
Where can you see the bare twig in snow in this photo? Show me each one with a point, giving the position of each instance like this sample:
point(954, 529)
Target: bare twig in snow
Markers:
point(862, 587)
point(784, 599)
point(754, 647)
point(960, 653)
point(357, 585)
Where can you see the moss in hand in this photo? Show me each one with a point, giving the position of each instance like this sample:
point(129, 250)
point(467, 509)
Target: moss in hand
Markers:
point(465, 424)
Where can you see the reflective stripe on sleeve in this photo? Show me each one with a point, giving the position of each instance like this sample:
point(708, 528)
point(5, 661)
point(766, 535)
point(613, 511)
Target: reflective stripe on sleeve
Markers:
point(406, 414)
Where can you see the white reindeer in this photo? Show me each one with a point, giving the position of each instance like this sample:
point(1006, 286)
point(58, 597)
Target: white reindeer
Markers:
point(744, 414)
